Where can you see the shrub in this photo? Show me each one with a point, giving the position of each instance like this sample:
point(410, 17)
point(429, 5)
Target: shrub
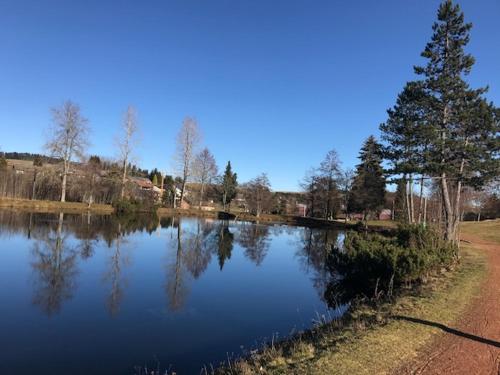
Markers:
point(367, 261)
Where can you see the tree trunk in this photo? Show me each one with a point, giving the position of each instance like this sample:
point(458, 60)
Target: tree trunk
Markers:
point(412, 206)
point(124, 179)
point(201, 195)
point(448, 210)
point(425, 211)
point(64, 180)
point(33, 189)
point(407, 201)
point(183, 189)
point(421, 202)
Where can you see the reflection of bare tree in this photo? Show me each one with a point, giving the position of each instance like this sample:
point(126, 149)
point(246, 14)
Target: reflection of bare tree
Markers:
point(254, 238)
point(114, 274)
point(89, 238)
point(55, 265)
point(224, 243)
point(198, 253)
point(312, 252)
point(195, 246)
point(175, 286)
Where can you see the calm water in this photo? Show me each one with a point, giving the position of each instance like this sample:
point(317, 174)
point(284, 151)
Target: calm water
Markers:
point(96, 295)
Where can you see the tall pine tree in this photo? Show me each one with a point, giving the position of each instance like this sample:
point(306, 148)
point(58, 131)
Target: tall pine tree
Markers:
point(368, 189)
point(406, 134)
point(464, 147)
point(229, 183)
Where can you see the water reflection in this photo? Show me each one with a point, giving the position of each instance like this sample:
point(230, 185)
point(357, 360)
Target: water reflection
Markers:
point(115, 264)
point(254, 238)
point(190, 244)
point(313, 248)
point(224, 244)
point(176, 287)
point(186, 289)
point(54, 263)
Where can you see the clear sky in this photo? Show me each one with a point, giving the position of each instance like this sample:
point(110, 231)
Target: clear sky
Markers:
point(273, 84)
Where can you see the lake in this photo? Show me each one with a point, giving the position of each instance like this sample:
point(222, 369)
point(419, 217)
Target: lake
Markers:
point(95, 294)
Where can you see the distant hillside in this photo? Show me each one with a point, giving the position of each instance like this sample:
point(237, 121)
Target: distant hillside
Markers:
point(16, 159)
point(30, 157)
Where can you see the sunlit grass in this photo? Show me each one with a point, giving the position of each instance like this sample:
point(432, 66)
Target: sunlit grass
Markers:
point(488, 230)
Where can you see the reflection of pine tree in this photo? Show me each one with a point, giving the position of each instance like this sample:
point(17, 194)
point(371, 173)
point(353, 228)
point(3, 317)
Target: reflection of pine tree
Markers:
point(224, 244)
point(55, 265)
point(254, 238)
point(312, 252)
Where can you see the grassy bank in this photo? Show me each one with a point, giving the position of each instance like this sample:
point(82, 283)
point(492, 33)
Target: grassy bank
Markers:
point(50, 206)
point(378, 339)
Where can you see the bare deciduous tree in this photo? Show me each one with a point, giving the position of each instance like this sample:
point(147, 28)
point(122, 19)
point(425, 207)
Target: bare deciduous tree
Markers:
point(258, 194)
point(187, 141)
point(205, 169)
point(330, 171)
point(345, 184)
point(68, 138)
point(126, 142)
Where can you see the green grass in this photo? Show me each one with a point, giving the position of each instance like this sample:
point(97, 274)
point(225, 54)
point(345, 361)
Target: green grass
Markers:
point(373, 341)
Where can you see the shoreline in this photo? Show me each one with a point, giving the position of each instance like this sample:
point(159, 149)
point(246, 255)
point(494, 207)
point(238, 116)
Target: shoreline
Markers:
point(51, 206)
point(79, 207)
point(381, 339)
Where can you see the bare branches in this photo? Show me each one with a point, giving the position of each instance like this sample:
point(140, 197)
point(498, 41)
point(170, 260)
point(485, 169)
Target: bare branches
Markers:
point(205, 170)
point(188, 140)
point(126, 142)
point(68, 137)
point(69, 132)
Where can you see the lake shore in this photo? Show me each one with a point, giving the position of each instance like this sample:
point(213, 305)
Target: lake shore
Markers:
point(79, 207)
point(54, 206)
point(382, 338)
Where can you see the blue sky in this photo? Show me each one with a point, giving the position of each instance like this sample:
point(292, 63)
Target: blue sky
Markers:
point(273, 84)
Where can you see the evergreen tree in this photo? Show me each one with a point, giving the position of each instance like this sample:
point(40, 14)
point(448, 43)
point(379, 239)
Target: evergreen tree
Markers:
point(406, 134)
point(400, 202)
point(169, 187)
point(368, 189)
point(155, 180)
point(228, 186)
point(464, 147)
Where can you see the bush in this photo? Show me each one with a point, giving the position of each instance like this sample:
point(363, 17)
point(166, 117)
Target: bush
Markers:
point(369, 260)
point(127, 206)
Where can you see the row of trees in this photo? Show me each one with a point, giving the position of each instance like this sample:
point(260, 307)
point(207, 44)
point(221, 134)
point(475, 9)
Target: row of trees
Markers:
point(330, 189)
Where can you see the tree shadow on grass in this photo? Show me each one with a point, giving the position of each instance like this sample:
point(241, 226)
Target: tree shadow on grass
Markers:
point(447, 329)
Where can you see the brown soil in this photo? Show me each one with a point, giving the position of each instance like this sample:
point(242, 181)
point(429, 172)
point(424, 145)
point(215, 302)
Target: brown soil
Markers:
point(472, 345)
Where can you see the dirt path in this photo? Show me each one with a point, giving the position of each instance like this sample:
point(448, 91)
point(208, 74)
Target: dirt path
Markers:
point(472, 345)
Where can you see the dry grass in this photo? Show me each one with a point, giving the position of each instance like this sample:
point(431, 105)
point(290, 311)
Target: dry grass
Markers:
point(489, 230)
point(50, 206)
